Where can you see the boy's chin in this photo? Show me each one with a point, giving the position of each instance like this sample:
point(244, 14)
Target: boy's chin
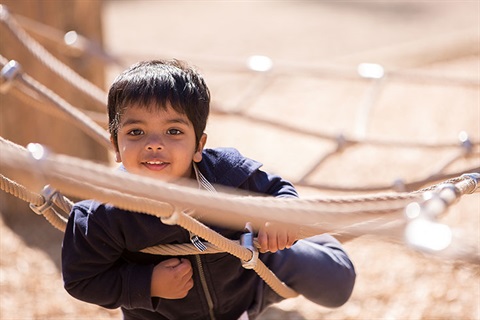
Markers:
point(154, 175)
point(168, 178)
point(165, 177)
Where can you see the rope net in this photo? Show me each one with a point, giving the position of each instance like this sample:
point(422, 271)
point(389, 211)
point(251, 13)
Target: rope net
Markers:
point(399, 216)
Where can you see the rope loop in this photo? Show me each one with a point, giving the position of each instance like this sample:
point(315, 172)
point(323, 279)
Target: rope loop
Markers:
point(48, 193)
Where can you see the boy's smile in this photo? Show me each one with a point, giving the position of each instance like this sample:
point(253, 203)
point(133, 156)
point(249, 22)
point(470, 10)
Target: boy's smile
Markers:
point(157, 142)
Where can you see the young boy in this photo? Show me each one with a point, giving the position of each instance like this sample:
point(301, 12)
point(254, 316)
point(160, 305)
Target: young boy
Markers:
point(157, 116)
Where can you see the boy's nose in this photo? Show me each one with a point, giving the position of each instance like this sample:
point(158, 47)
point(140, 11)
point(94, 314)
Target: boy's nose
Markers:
point(154, 143)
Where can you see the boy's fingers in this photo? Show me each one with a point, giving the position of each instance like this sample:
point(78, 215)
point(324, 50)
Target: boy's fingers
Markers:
point(171, 263)
point(188, 286)
point(272, 238)
point(184, 268)
point(262, 240)
point(273, 244)
point(282, 239)
point(292, 237)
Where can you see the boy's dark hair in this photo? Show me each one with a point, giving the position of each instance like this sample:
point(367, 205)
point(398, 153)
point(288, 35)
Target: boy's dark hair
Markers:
point(158, 82)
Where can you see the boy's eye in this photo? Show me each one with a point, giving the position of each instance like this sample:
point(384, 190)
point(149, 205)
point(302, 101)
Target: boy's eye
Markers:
point(135, 132)
point(174, 132)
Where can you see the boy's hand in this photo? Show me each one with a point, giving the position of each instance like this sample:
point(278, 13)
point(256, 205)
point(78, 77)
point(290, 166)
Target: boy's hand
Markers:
point(273, 237)
point(172, 279)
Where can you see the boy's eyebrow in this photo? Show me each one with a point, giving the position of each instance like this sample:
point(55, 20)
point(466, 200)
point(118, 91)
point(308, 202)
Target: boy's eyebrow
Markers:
point(138, 121)
point(178, 120)
point(131, 121)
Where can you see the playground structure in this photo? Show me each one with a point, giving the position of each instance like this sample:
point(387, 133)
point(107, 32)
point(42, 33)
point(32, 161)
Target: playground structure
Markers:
point(464, 151)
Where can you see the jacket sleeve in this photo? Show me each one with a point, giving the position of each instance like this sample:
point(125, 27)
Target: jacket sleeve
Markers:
point(269, 184)
point(92, 267)
point(227, 167)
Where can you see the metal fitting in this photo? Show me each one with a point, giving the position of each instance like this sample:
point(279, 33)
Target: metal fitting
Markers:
point(341, 142)
point(448, 192)
point(246, 240)
point(47, 193)
point(9, 72)
point(465, 141)
point(399, 185)
point(474, 177)
point(4, 13)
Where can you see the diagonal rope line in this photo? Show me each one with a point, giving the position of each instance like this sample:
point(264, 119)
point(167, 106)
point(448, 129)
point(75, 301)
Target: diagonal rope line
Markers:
point(45, 57)
point(70, 112)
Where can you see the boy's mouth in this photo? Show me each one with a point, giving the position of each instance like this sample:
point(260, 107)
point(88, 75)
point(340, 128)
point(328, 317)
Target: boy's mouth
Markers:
point(155, 165)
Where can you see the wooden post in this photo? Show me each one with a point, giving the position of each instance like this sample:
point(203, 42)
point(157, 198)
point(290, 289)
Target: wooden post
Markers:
point(21, 123)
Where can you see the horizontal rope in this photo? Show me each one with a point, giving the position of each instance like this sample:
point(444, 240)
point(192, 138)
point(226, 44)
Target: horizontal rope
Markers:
point(59, 168)
point(382, 224)
point(72, 174)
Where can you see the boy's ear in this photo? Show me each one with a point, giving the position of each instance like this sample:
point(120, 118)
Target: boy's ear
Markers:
point(118, 158)
point(197, 157)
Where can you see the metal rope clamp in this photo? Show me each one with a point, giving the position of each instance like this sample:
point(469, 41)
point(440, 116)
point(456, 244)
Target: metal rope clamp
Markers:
point(9, 72)
point(246, 240)
point(47, 193)
point(474, 177)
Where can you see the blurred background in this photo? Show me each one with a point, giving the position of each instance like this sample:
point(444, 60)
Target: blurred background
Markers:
point(340, 97)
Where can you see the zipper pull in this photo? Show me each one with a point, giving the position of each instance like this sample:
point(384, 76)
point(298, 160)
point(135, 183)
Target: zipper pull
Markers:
point(195, 240)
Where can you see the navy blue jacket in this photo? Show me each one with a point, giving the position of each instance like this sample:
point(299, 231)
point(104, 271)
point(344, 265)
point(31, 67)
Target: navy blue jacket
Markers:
point(102, 264)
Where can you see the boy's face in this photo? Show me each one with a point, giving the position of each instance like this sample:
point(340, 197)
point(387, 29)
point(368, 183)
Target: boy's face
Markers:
point(157, 143)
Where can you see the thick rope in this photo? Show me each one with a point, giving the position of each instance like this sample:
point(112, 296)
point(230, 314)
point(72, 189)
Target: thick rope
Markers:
point(185, 221)
point(124, 200)
point(59, 171)
point(55, 219)
point(20, 191)
point(183, 249)
point(380, 227)
point(89, 180)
